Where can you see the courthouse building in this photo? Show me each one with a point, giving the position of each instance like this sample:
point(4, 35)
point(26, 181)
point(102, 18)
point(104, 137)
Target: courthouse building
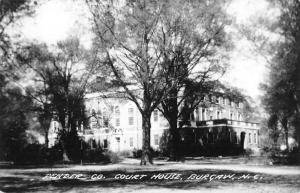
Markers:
point(116, 124)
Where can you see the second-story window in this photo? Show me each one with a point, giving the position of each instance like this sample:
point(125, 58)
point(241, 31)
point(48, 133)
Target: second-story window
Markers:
point(240, 117)
point(240, 105)
point(117, 110)
point(223, 100)
point(130, 116)
point(117, 121)
point(232, 103)
point(249, 138)
point(155, 115)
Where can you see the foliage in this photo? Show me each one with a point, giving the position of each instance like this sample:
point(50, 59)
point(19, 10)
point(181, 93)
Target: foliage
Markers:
point(13, 122)
point(164, 144)
point(282, 94)
point(113, 157)
point(61, 77)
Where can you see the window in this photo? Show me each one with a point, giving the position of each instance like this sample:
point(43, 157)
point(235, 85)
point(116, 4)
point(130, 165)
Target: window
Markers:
point(240, 117)
point(105, 144)
point(255, 139)
point(130, 110)
point(231, 116)
point(218, 114)
point(232, 103)
point(117, 110)
point(130, 116)
point(130, 120)
point(234, 139)
point(105, 114)
point(197, 114)
point(192, 116)
point(117, 122)
point(249, 138)
point(210, 117)
point(131, 141)
point(155, 115)
point(203, 114)
point(224, 101)
point(93, 143)
point(217, 100)
point(93, 112)
point(156, 140)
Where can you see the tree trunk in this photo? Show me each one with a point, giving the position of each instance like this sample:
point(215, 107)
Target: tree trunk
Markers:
point(287, 140)
point(46, 139)
point(284, 123)
point(146, 149)
point(63, 144)
point(174, 140)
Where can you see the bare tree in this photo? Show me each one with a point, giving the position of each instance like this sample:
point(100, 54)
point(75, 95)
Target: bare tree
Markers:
point(194, 46)
point(128, 35)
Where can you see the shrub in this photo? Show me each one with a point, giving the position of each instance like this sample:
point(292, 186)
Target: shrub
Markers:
point(32, 154)
point(248, 152)
point(137, 153)
point(113, 157)
point(95, 156)
point(126, 153)
point(294, 156)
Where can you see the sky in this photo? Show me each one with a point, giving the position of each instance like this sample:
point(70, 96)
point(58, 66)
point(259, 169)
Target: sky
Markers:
point(55, 20)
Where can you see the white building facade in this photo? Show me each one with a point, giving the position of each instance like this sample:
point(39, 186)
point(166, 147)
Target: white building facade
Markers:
point(115, 124)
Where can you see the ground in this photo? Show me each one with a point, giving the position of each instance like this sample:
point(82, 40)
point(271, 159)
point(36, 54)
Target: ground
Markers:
point(242, 176)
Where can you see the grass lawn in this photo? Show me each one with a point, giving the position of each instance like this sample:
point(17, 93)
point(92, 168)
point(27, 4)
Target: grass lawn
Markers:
point(161, 177)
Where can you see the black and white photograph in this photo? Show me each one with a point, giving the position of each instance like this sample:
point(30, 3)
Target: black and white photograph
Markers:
point(150, 96)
